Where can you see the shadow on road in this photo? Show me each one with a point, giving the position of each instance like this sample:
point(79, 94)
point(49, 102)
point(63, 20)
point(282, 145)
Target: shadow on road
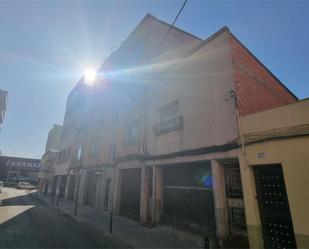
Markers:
point(28, 223)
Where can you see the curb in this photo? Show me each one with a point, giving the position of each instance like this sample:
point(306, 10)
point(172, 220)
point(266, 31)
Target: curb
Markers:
point(82, 221)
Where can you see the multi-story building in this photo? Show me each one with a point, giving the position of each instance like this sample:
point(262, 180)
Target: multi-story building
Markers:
point(156, 138)
point(177, 155)
point(48, 160)
point(19, 169)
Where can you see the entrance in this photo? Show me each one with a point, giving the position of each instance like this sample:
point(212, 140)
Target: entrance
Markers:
point(91, 188)
point(62, 186)
point(130, 193)
point(188, 197)
point(274, 208)
point(71, 187)
point(237, 225)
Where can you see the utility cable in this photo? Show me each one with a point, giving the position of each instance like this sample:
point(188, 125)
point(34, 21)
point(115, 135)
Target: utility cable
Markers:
point(170, 28)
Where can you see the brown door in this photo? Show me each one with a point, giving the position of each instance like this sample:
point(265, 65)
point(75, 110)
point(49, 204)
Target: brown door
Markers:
point(274, 208)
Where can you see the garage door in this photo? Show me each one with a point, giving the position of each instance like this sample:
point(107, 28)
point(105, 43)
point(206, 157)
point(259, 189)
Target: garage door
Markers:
point(130, 193)
point(188, 197)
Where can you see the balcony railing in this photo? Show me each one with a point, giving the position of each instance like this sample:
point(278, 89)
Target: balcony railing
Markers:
point(168, 125)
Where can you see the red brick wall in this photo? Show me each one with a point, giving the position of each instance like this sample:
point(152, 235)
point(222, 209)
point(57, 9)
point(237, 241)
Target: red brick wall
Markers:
point(256, 88)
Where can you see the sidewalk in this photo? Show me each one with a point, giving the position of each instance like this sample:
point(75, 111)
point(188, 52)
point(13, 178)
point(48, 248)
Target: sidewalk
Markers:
point(127, 230)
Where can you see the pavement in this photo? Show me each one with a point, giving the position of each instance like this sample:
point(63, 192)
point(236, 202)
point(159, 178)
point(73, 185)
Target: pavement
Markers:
point(26, 222)
point(126, 230)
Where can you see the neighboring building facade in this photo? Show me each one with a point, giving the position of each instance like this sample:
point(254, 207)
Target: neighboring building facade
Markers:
point(275, 176)
point(177, 155)
point(156, 138)
point(19, 169)
point(48, 160)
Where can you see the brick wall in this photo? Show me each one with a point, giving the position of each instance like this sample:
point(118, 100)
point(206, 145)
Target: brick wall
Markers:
point(256, 88)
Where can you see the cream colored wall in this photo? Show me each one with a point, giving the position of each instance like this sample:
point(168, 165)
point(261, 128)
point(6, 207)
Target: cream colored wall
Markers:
point(202, 83)
point(148, 34)
point(284, 116)
point(292, 153)
point(54, 138)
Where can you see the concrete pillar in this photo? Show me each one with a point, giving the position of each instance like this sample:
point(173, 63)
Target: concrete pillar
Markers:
point(58, 184)
point(100, 193)
point(254, 227)
point(219, 200)
point(117, 191)
point(110, 200)
point(82, 187)
point(42, 184)
point(66, 192)
point(144, 194)
point(157, 194)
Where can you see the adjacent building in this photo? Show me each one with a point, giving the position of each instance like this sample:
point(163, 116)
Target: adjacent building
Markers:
point(275, 170)
point(49, 159)
point(19, 169)
point(162, 136)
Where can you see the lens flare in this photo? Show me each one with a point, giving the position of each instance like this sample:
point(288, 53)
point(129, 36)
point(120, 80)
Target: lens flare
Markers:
point(90, 75)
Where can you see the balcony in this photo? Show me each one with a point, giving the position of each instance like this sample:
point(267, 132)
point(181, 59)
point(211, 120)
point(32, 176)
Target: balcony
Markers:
point(168, 125)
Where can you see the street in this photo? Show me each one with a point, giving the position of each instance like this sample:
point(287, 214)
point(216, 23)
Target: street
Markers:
point(27, 223)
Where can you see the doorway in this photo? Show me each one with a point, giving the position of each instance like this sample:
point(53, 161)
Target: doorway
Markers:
point(130, 193)
point(237, 224)
point(278, 231)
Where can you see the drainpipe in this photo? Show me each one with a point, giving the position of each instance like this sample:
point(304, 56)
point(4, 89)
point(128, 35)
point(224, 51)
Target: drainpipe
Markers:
point(241, 135)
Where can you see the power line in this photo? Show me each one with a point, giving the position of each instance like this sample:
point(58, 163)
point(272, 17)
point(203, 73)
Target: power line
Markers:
point(171, 26)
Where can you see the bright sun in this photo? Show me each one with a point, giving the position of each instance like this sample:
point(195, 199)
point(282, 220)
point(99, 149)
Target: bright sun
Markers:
point(90, 75)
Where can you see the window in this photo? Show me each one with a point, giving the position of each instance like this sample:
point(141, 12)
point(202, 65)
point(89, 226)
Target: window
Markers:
point(64, 155)
point(169, 111)
point(112, 152)
point(79, 153)
point(133, 133)
point(95, 148)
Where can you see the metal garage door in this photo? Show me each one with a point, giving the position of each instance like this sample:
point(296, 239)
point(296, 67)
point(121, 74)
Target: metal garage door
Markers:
point(130, 193)
point(188, 197)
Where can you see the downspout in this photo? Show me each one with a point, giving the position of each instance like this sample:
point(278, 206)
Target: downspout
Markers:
point(240, 132)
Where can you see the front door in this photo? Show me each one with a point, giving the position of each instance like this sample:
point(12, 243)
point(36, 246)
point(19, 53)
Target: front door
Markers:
point(274, 208)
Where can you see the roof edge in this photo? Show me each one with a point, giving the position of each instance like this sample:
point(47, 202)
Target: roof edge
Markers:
point(173, 27)
point(266, 68)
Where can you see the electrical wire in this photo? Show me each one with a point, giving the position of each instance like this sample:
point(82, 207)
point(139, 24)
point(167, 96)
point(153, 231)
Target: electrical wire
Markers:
point(170, 28)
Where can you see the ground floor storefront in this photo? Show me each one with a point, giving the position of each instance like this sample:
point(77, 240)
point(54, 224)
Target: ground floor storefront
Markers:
point(91, 187)
point(203, 196)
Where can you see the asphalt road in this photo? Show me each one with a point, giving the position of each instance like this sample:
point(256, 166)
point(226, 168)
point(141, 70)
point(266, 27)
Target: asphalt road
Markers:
point(27, 223)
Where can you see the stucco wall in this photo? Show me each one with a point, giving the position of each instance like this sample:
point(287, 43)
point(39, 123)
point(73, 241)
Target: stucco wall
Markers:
point(292, 154)
point(202, 84)
point(285, 116)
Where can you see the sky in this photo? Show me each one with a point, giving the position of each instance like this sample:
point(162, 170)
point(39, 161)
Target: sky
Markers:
point(45, 47)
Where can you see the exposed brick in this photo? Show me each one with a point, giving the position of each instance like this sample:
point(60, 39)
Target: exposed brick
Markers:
point(256, 88)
